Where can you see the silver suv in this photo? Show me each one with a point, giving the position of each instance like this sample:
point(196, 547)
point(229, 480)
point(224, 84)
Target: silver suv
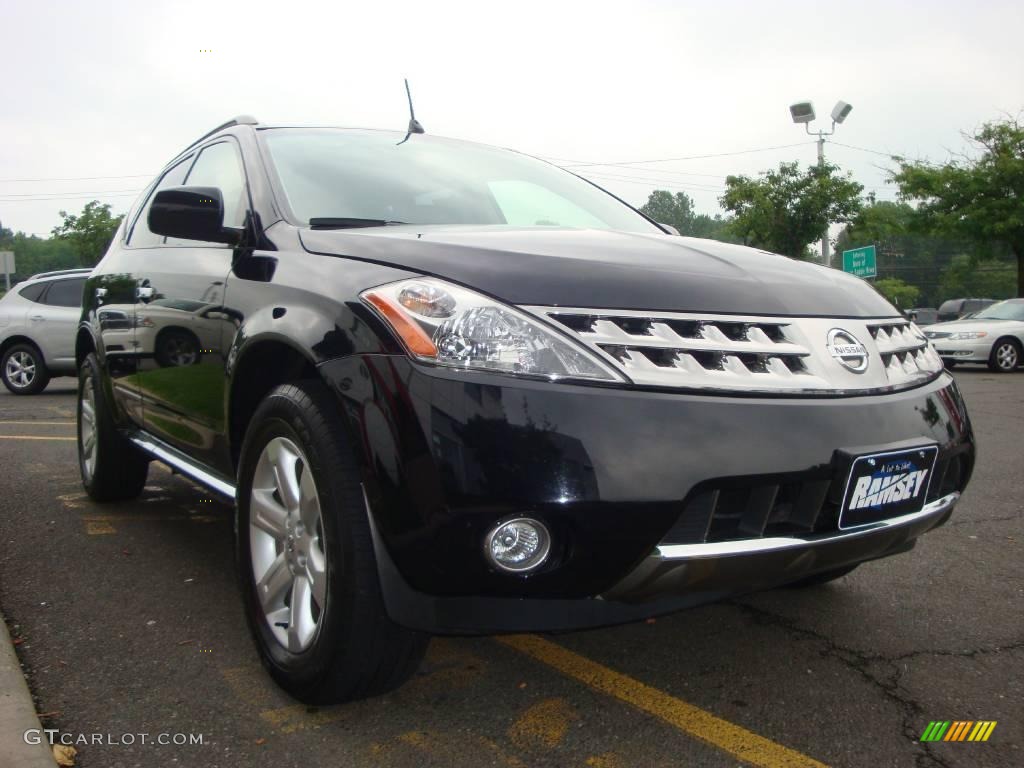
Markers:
point(38, 321)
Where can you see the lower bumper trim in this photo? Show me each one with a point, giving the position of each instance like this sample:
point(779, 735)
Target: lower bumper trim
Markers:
point(775, 544)
point(754, 564)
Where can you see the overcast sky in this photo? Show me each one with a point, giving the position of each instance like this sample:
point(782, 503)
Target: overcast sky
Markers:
point(111, 89)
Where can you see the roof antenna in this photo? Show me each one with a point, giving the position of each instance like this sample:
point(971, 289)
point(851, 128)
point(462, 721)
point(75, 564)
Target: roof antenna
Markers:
point(414, 124)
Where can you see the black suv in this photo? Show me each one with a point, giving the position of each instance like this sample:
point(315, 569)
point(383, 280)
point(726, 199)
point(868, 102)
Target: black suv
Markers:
point(454, 389)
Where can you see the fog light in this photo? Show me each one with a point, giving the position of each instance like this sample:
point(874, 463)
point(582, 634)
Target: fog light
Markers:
point(518, 545)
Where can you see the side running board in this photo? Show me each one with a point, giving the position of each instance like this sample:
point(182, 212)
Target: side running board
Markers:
point(179, 462)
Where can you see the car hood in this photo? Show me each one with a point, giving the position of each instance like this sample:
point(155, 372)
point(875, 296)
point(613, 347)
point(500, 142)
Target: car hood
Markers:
point(955, 326)
point(608, 270)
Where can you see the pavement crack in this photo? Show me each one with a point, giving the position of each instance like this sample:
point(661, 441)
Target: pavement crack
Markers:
point(880, 671)
point(975, 520)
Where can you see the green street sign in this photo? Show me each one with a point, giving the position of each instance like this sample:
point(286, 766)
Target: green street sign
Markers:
point(861, 261)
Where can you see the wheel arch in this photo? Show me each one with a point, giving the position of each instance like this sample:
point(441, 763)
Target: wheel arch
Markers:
point(14, 341)
point(84, 344)
point(1012, 338)
point(260, 365)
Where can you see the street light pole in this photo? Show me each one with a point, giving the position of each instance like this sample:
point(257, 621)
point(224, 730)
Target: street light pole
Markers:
point(821, 165)
point(803, 112)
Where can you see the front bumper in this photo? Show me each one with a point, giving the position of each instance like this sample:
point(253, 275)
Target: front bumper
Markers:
point(611, 471)
point(964, 351)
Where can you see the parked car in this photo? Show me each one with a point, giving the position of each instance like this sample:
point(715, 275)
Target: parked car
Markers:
point(956, 309)
point(455, 390)
point(923, 315)
point(38, 322)
point(994, 336)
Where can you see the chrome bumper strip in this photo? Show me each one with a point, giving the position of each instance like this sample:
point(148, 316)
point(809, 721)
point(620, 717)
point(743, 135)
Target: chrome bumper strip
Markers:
point(779, 543)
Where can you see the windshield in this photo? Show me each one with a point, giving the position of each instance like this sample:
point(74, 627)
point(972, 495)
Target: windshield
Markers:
point(351, 175)
point(1012, 309)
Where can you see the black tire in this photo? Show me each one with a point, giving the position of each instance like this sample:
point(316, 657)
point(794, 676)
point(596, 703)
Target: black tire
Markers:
point(1005, 356)
point(821, 578)
point(355, 650)
point(117, 471)
point(176, 347)
point(23, 370)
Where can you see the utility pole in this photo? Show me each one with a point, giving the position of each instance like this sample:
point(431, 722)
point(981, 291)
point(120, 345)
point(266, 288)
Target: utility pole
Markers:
point(803, 112)
point(821, 164)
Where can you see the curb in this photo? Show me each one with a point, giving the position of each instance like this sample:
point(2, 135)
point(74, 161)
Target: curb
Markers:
point(17, 713)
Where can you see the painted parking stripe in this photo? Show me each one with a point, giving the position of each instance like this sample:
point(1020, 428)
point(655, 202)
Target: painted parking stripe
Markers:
point(35, 437)
point(40, 423)
point(729, 737)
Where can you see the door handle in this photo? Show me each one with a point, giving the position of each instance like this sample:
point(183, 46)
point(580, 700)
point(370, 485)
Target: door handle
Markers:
point(36, 317)
point(145, 292)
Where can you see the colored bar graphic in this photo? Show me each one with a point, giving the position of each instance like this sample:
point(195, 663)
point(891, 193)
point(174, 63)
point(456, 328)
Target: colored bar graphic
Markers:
point(935, 730)
point(958, 730)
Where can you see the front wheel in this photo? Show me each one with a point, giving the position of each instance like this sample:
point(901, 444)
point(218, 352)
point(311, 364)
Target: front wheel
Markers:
point(23, 370)
point(305, 556)
point(1005, 356)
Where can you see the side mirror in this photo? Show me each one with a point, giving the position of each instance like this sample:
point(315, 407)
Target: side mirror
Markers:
point(669, 229)
point(191, 213)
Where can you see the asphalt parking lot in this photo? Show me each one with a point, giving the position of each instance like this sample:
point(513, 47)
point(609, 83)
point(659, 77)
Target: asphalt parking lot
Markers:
point(127, 621)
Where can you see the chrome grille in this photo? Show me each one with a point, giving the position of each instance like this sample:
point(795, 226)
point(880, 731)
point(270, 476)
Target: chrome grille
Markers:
point(752, 354)
point(904, 350)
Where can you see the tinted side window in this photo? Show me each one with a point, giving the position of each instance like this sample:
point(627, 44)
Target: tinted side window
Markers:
point(65, 293)
point(33, 292)
point(220, 166)
point(140, 236)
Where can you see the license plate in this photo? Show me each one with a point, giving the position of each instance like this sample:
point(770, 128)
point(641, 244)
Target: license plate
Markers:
point(885, 485)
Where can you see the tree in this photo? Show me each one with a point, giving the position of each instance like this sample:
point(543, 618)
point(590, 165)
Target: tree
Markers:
point(678, 210)
point(89, 233)
point(786, 210)
point(906, 250)
point(898, 292)
point(966, 275)
point(979, 197)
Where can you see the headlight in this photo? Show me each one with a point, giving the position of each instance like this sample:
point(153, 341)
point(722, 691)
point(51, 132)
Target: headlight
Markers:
point(447, 325)
point(966, 335)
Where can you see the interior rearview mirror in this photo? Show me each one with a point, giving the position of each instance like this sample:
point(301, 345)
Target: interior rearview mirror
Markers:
point(191, 213)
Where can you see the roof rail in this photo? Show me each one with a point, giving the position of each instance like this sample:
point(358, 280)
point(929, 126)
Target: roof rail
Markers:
point(240, 120)
point(59, 272)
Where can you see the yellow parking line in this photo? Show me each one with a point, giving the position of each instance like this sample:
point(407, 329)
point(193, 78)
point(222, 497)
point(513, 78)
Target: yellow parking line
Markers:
point(99, 528)
point(544, 724)
point(40, 423)
point(736, 740)
point(35, 437)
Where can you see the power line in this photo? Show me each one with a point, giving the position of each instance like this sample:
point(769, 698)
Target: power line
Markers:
point(80, 194)
point(80, 178)
point(576, 164)
point(653, 182)
point(890, 155)
point(73, 197)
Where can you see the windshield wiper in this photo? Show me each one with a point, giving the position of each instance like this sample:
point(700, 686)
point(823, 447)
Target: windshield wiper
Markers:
point(328, 222)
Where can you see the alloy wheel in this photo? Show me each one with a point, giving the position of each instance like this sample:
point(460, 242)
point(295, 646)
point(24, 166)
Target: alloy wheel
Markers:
point(286, 539)
point(180, 351)
point(87, 430)
point(21, 369)
point(1007, 356)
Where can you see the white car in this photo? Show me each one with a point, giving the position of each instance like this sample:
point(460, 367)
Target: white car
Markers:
point(994, 336)
point(38, 321)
